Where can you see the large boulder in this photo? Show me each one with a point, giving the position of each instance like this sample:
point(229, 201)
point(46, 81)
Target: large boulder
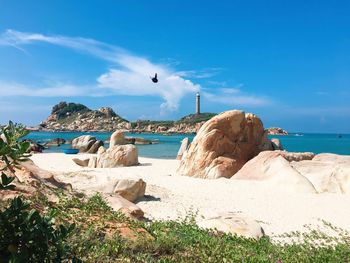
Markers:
point(273, 168)
point(276, 144)
point(224, 144)
point(327, 172)
point(118, 138)
point(94, 148)
point(235, 224)
point(130, 189)
point(122, 155)
point(120, 204)
point(299, 172)
point(86, 143)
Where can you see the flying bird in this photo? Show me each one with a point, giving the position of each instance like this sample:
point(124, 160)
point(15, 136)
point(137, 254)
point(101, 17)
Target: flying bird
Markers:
point(154, 79)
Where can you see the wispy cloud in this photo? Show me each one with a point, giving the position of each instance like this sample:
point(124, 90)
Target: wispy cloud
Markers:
point(200, 74)
point(235, 97)
point(129, 74)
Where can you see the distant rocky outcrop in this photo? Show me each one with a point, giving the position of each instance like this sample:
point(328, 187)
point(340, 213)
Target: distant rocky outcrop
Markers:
point(276, 131)
point(187, 125)
point(223, 145)
point(77, 117)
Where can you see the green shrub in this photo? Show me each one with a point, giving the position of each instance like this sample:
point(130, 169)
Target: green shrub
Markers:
point(26, 236)
point(11, 150)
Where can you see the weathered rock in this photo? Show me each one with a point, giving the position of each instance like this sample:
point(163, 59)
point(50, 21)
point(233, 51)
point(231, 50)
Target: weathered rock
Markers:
point(34, 147)
point(80, 162)
point(276, 131)
point(122, 155)
point(86, 143)
point(223, 145)
point(130, 189)
point(30, 180)
point(235, 224)
point(124, 206)
point(272, 167)
point(327, 172)
point(92, 162)
point(117, 138)
point(108, 112)
point(94, 148)
point(101, 149)
point(297, 156)
point(276, 144)
point(184, 146)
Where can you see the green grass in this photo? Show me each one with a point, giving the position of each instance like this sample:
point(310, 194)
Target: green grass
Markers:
point(96, 239)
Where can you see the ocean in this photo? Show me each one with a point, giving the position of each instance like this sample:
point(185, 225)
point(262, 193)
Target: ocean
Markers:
point(169, 144)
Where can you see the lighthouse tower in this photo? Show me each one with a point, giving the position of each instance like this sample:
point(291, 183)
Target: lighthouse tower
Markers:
point(198, 103)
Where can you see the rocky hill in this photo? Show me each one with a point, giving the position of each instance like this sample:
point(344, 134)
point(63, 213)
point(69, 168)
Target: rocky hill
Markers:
point(276, 131)
point(188, 124)
point(77, 117)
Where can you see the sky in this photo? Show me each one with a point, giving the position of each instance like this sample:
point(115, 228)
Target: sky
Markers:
point(286, 61)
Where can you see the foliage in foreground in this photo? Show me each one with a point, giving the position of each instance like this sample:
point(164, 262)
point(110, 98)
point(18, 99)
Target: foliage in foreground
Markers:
point(38, 231)
point(95, 238)
point(26, 236)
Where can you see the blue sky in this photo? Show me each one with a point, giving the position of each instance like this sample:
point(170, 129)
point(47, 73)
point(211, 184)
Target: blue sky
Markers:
point(286, 61)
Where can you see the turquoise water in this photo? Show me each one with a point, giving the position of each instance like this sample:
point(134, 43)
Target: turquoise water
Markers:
point(166, 148)
point(169, 145)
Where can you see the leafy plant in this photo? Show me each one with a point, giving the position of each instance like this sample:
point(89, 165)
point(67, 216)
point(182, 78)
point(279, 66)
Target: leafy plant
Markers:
point(5, 183)
point(11, 150)
point(26, 236)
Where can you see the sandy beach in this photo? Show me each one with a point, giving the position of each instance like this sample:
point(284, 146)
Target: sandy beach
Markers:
point(170, 197)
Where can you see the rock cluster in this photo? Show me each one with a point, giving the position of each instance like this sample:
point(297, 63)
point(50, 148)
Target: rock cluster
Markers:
point(86, 144)
point(30, 180)
point(223, 145)
point(276, 131)
point(77, 117)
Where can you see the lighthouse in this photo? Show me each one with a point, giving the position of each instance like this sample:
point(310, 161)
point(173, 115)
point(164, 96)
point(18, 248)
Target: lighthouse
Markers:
point(198, 103)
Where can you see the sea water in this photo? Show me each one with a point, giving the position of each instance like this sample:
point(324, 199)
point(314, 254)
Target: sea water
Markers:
point(168, 145)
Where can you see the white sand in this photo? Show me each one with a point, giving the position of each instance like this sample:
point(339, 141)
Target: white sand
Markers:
point(170, 196)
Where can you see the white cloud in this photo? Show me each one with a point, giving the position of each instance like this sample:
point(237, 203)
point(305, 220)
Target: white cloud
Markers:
point(235, 97)
point(199, 74)
point(129, 75)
